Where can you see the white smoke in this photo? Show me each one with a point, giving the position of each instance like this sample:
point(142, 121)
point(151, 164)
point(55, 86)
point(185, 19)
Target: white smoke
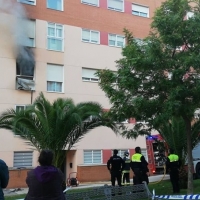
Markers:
point(17, 27)
point(13, 16)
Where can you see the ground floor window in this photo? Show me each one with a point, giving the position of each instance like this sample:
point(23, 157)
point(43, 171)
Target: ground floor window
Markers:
point(92, 156)
point(23, 159)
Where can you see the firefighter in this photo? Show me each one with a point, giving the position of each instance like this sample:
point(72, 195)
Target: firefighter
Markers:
point(126, 170)
point(115, 165)
point(140, 167)
point(173, 165)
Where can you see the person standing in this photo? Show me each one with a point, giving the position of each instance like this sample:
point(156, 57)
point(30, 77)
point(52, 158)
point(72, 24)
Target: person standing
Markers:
point(173, 165)
point(4, 178)
point(126, 170)
point(139, 167)
point(45, 181)
point(115, 165)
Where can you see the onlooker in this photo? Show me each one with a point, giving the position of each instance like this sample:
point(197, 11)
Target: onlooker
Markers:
point(45, 182)
point(140, 167)
point(4, 177)
point(173, 164)
point(115, 165)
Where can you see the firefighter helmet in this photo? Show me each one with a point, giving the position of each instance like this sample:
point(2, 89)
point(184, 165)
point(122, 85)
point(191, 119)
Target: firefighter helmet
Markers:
point(126, 153)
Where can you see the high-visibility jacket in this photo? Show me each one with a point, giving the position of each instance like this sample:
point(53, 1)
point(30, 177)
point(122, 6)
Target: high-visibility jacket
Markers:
point(173, 162)
point(138, 163)
point(136, 157)
point(173, 157)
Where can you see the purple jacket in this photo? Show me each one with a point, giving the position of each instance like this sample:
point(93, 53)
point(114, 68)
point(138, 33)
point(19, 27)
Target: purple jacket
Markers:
point(45, 183)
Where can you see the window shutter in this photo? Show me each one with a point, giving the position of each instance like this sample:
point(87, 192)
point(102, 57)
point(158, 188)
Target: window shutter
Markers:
point(55, 73)
point(87, 157)
point(140, 8)
point(23, 159)
point(89, 73)
point(92, 156)
point(97, 156)
point(93, 2)
point(116, 4)
point(31, 28)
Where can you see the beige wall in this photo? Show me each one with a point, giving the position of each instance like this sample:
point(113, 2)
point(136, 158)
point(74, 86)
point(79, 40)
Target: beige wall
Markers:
point(106, 138)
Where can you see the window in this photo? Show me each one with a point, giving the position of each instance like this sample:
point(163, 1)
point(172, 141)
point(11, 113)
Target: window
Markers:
point(23, 159)
point(30, 40)
point(90, 36)
point(55, 37)
point(54, 78)
point(121, 152)
point(117, 5)
point(31, 2)
point(55, 4)
point(21, 107)
point(92, 156)
point(25, 64)
point(91, 2)
point(89, 75)
point(139, 10)
point(144, 153)
point(116, 40)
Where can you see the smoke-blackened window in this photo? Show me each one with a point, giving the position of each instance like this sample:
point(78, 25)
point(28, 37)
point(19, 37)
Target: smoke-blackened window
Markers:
point(25, 63)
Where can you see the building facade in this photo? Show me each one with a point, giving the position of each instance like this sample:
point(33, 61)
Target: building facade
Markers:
point(55, 47)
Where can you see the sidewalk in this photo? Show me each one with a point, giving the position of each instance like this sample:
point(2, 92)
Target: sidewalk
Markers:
point(16, 191)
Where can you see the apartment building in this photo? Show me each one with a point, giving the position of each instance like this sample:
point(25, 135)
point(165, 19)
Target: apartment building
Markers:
point(57, 51)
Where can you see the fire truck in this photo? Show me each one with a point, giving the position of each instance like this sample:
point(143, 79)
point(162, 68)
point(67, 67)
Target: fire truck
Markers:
point(157, 151)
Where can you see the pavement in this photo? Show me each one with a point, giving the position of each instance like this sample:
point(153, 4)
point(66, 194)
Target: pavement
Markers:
point(16, 191)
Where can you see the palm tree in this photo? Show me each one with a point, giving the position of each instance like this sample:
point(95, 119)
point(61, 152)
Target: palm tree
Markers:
point(173, 132)
point(56, 126)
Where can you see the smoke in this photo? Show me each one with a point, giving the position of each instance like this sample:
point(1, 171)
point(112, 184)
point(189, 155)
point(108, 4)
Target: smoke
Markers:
point(13, 16)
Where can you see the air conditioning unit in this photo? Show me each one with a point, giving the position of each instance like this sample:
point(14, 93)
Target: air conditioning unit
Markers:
point(25, 84)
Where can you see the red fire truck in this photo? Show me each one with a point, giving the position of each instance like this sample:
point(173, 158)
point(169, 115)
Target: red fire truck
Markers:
point(157, 150)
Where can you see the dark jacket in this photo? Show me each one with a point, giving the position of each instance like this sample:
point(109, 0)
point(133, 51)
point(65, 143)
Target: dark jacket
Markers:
point(45, 183)
point(115, 163)
point(4, 177)
point(172, 164)
point(127, 165)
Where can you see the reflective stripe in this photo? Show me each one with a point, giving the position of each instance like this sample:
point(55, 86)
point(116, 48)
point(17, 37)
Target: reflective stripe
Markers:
point(173, 158)
point(136, 157)
point(126, 171)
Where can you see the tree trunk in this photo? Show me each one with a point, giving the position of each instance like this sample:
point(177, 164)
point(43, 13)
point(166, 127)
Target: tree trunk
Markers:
point(59, 158)
point(183, 174)
point(190, 159)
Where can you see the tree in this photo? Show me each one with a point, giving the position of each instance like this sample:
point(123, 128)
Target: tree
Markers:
point(57, 126)
point(158, 78)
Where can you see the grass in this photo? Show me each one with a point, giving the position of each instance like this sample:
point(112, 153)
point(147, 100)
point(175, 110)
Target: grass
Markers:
point(163, 187)
point(14, 197)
